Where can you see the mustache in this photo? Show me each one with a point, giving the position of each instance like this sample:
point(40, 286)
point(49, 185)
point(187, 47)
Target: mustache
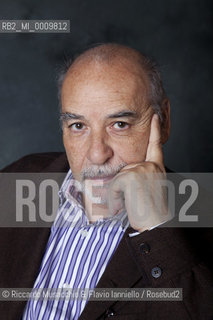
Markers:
point(102, 171)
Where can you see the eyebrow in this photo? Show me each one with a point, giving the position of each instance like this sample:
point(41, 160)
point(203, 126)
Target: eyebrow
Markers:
point(121, 114)
point(67, 115)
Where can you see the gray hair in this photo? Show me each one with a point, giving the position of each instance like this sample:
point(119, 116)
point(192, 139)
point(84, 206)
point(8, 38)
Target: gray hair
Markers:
point(110, 51)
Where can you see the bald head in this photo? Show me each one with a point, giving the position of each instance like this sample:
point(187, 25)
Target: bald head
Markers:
point(112, 55)
point(119, 56)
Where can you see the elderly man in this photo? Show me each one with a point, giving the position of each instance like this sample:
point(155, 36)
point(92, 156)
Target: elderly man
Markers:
point(115, 118)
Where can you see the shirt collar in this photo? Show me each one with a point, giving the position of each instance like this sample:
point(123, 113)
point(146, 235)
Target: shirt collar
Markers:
point(71, 191)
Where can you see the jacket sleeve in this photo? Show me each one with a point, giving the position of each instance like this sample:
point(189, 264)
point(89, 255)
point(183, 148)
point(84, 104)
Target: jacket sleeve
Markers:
point(173, 257)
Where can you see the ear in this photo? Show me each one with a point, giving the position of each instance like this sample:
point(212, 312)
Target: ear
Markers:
point(165, 127)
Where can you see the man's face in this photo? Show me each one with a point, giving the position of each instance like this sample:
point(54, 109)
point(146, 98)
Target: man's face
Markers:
point(109, 121)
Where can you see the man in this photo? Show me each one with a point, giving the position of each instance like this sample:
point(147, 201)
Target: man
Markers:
point(115, 118)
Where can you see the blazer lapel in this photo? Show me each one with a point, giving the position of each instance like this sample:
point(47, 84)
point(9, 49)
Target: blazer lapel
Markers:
point(21, 257)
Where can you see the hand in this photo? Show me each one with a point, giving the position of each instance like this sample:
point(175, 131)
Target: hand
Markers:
point(138, 187)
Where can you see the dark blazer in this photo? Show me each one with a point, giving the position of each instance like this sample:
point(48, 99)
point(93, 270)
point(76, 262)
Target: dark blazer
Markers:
point(181, 254)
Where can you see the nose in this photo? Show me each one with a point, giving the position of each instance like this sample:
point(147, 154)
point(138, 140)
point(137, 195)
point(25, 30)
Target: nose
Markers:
point(99, 151)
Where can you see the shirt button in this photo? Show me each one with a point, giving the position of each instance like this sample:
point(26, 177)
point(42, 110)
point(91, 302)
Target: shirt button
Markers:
point(84, 233)
point(109, 313)
point(144, 248)
point(156, 272)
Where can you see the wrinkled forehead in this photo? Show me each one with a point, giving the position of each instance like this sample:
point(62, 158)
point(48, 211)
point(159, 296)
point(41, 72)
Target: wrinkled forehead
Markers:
point(122, 62)
point(121, 77)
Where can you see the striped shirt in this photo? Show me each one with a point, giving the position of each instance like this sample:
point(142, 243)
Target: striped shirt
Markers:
point(76, 256)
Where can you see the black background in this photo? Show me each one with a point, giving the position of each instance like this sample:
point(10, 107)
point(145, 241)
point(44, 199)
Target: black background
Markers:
point(178, 34)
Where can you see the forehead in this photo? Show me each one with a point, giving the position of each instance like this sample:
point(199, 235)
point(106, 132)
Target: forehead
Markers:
point(100, 85)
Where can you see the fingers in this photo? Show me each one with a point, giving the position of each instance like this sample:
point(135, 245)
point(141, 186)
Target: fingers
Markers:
point(154, 149)
point(143, 199)
point(116, 196)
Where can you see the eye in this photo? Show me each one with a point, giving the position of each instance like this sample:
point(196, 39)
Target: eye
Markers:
point(77, 126)
point(120, 125)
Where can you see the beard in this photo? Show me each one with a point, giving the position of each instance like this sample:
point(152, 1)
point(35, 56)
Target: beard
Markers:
point(96, 180)
point(101, 172)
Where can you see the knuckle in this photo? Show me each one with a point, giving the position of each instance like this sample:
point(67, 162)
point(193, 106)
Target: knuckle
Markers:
point(152, 167)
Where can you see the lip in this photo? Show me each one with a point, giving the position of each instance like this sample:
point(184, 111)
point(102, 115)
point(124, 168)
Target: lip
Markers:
point(104, 179)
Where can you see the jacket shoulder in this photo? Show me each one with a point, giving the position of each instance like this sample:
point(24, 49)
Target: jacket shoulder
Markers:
point(38, 162)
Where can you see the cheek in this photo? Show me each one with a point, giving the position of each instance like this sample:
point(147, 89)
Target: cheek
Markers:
point(134, 149)
point(75, 154)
